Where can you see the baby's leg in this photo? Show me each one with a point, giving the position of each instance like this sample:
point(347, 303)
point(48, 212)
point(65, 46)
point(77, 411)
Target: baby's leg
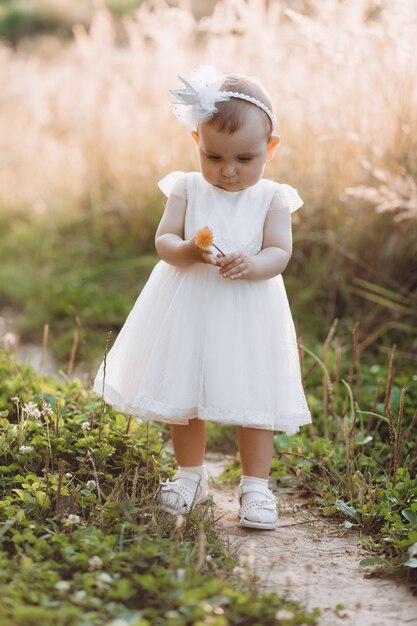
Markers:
point(190, 483)
point(258, 504)
point(189, 441)
point(255, 448)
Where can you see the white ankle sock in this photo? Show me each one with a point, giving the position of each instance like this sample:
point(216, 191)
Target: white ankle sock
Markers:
point(261, 515)
point(200, 469)
point(253, 480)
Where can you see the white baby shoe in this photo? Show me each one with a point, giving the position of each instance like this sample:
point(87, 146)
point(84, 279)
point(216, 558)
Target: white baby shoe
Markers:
point(258, 506)
point(188, 487)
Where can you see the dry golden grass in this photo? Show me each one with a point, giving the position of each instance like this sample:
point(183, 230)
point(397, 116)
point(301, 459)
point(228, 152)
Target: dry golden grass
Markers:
point(90, 119)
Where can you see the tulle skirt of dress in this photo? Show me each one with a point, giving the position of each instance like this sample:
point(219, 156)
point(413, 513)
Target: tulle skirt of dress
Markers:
point(199, 345)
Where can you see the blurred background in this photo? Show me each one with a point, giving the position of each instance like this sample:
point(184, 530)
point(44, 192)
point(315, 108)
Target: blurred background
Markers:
point(86, 132)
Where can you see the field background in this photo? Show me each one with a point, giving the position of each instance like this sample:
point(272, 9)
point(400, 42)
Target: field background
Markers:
point(85, 134)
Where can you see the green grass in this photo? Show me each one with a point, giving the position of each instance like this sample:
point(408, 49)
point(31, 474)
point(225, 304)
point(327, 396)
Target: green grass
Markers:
point(27, 18)
point(82, 541)
point(81, 272)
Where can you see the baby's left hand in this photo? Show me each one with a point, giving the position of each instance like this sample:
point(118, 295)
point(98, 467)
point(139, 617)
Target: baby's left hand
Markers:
point(234, 265)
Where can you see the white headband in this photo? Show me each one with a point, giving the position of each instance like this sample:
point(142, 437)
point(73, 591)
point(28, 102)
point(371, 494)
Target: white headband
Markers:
point(196, 103)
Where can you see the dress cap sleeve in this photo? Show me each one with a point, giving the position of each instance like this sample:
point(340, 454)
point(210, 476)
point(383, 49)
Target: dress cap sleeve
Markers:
point(286, 197)
point(167, 184)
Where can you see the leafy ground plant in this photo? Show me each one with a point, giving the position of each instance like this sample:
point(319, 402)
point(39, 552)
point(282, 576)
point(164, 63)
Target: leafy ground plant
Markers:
point(81, 539)
point(360, 464)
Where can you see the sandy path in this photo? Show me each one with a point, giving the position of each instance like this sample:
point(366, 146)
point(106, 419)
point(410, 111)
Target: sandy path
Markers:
point(313, 561)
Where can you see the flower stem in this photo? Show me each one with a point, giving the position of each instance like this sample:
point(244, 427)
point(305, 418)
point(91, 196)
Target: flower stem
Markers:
point(221, 252)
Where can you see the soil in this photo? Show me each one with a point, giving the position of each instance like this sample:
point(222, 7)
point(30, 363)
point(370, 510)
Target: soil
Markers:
point(312, 560)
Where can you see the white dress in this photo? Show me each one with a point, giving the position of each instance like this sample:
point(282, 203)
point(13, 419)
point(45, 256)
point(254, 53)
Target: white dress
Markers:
point(198, 345)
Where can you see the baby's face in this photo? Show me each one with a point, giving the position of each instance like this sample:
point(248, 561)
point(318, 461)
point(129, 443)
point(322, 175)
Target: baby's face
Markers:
point(235, 162)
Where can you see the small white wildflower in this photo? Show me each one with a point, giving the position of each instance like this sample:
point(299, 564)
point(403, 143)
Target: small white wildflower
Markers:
point(218, 610)
point(71, 520)
point(15, 399)
point(31, 410)
point(47, 409)
point(283, 614)
point(240, 572)
point(208, 557)
point(103, 580)
point(95, 562)
point(9, 341)
point(78, 596)
point(180, 574)
point(85, 426)
point(68, 475)
point(172, 614)
point(62, 585)
point(91, 484)
point(25, 449)
point(412, 550)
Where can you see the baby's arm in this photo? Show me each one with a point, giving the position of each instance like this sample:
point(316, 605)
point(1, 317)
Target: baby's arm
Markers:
point(276, 247)
point(169, 237)
point(274, 256)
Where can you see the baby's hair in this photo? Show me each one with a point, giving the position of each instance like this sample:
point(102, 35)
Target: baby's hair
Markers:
point(231, 114)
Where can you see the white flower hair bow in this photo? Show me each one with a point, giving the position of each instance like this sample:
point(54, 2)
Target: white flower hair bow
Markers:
point(196, 103)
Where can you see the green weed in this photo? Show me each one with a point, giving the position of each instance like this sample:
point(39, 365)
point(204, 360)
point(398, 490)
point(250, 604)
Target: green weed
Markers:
point(82, 541)
point(358, 460)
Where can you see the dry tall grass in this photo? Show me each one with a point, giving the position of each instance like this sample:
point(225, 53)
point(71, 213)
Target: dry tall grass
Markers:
point(86, 125)
point(92, 115)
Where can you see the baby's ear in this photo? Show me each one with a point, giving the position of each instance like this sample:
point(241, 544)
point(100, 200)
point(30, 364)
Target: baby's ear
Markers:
point(272, 146)
point(195, 136)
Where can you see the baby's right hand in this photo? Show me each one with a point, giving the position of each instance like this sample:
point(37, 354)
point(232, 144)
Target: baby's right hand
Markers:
point(207, 257)
point(202, 256)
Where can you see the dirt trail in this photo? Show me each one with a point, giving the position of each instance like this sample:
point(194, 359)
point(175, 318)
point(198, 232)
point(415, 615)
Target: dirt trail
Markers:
point(313, 561)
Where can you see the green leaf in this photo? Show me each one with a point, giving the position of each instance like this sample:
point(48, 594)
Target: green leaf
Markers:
point(6, 469)
point(123, 591)
point(27, 498)
point(367, 439)
point(148, 582)
point(43, 499)
point(346, 509)
point(21, 493)
point(410, 516)
point(371, 560)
